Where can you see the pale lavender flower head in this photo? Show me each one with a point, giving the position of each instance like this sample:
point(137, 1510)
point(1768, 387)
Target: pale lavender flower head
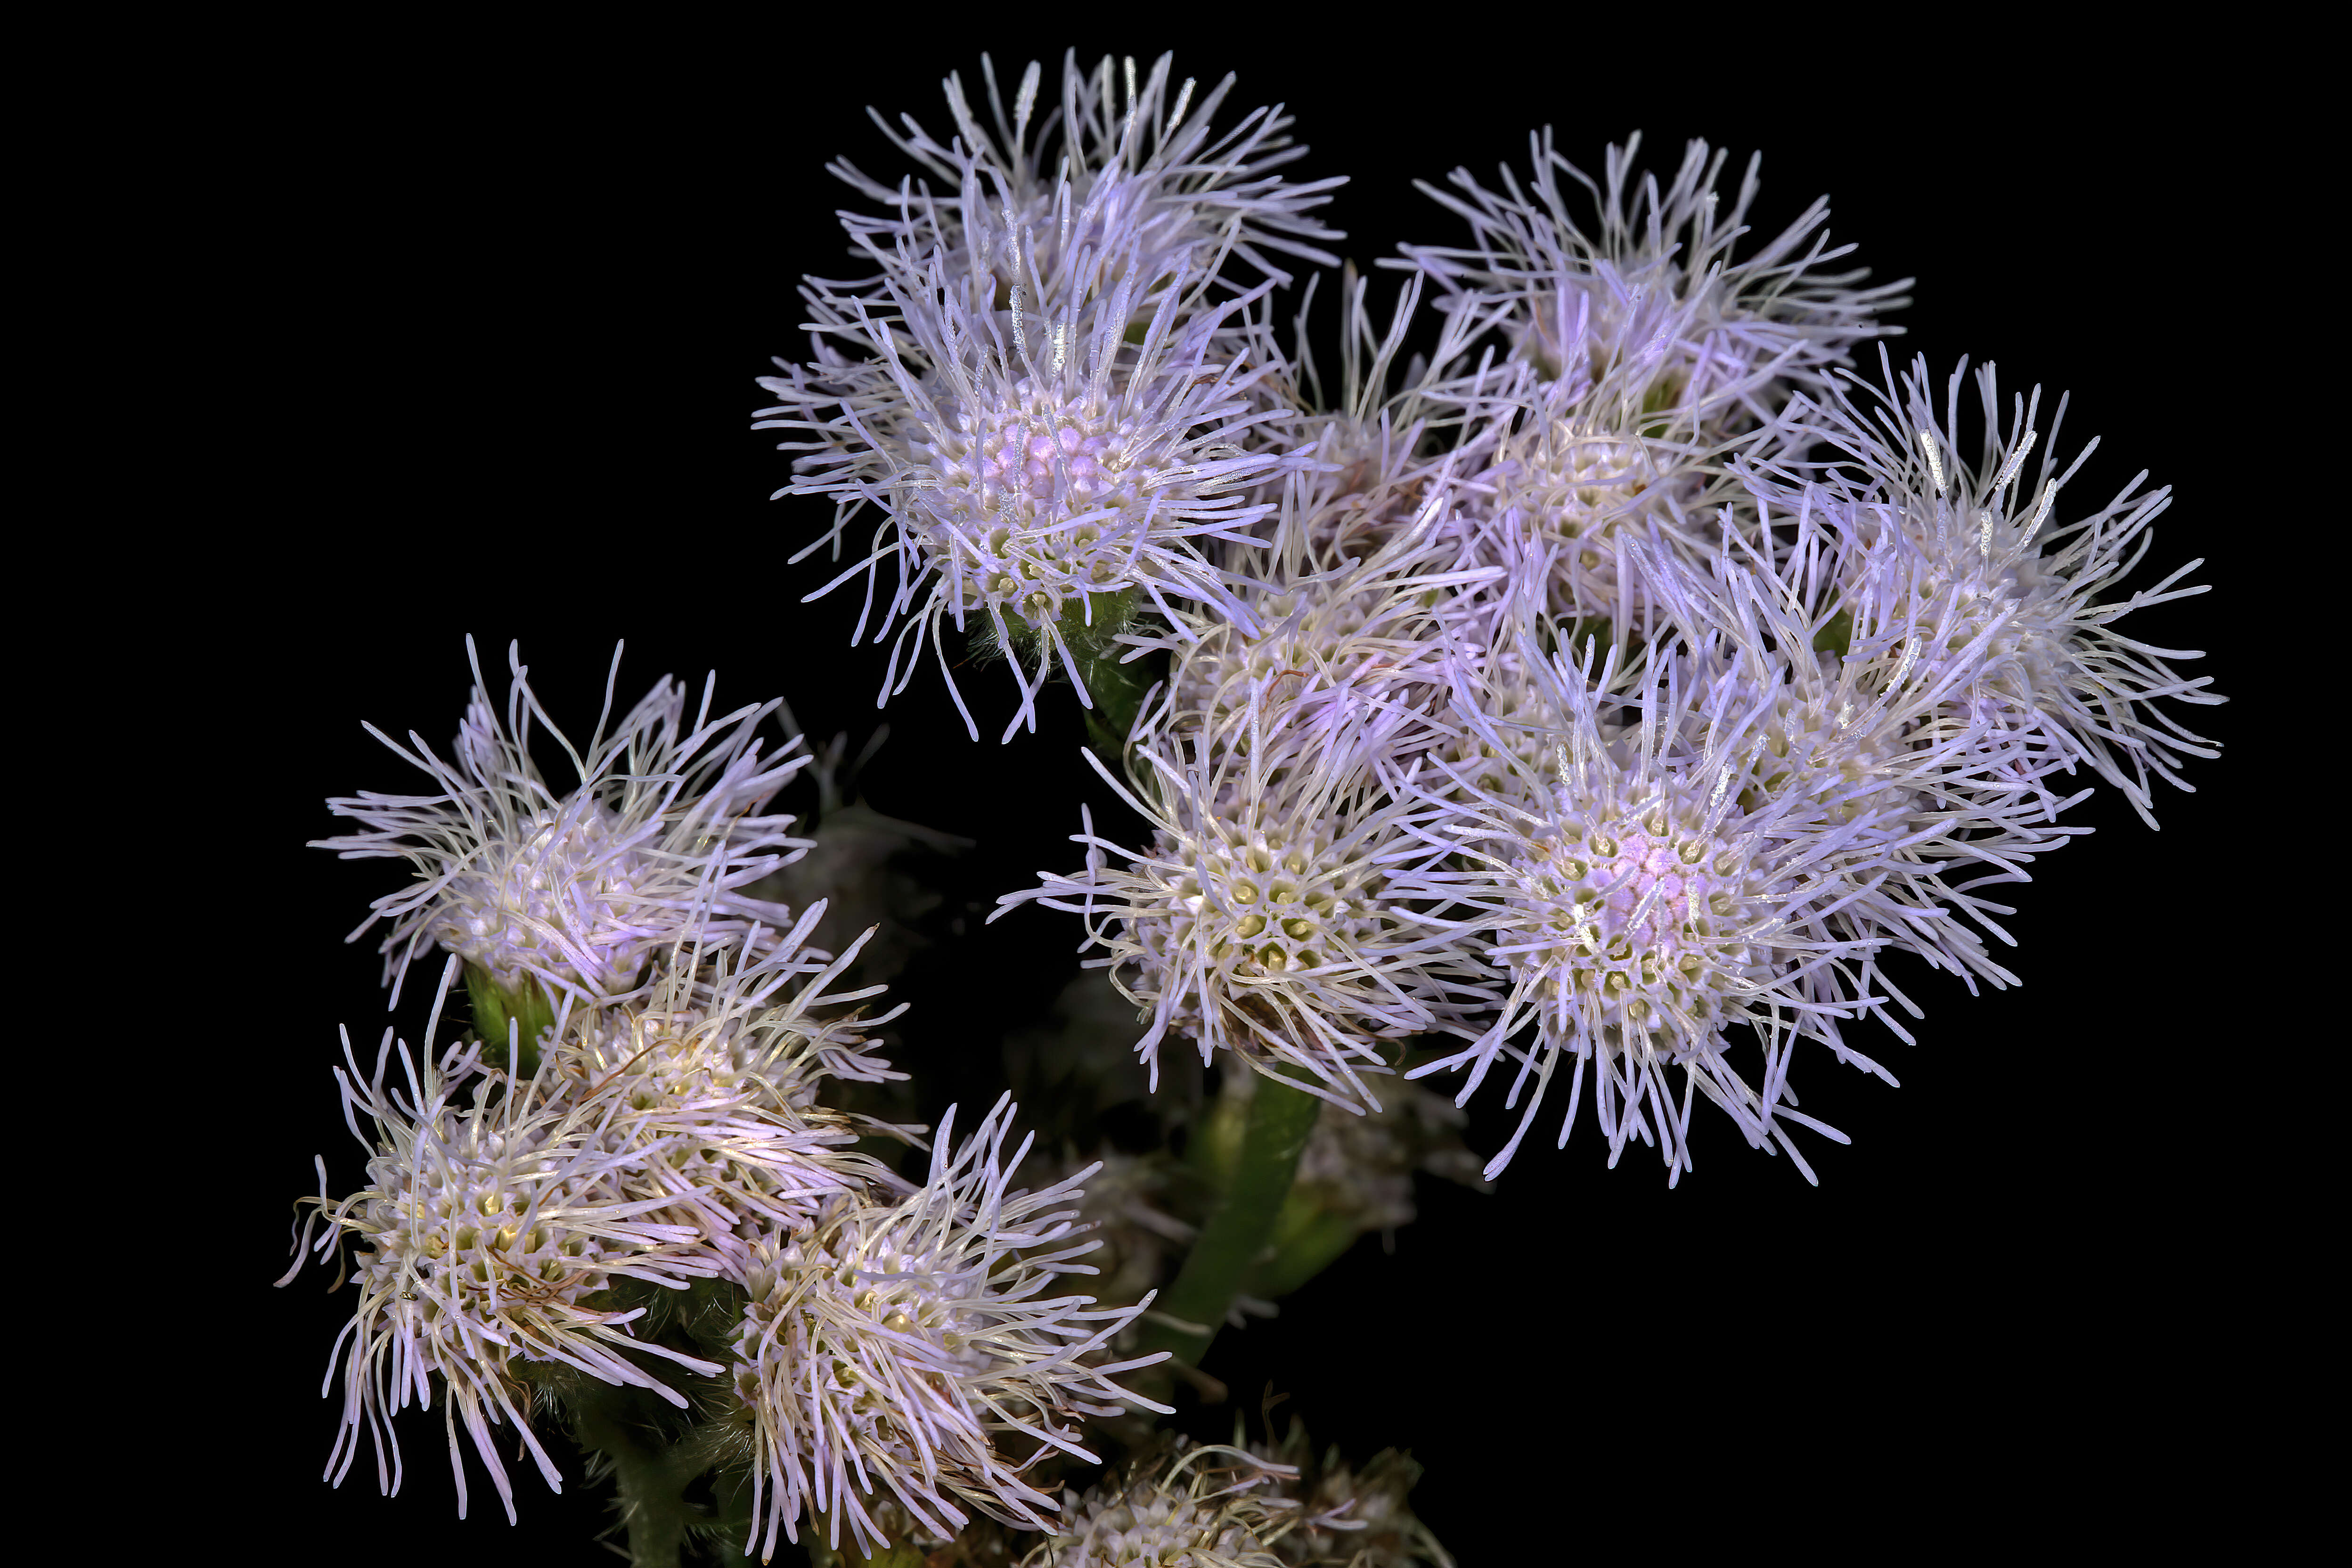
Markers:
point(1864, 730)
point(1320, 651)
point(1041, 390)
point(1966, 575)
point(720, 1067)
point(1652, 292)
point(1638, 900)
point(1571, 482)
point(653, 846)
point(1035, 468)
point(911, 1351)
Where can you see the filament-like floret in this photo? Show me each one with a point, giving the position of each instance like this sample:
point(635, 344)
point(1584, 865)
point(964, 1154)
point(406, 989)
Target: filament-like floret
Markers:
point(1653, 291)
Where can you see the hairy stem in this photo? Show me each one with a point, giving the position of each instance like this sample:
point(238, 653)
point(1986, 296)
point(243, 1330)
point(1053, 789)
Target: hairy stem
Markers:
point(632, 1431)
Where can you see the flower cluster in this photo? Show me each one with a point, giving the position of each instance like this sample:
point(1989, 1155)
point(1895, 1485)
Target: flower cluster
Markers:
point(1610, 691)
point(1612, 699)
point(647, 1193)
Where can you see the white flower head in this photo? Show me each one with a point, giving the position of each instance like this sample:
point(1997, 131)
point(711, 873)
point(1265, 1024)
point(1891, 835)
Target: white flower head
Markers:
point(1653, 291)
point(577, 891)
point(720, 1070)
point(486, 1230)
point(1260, 921)
point(911, 1350)
point(1971, 565)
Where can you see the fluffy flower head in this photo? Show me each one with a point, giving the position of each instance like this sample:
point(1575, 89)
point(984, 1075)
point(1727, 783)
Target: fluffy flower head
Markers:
point(576, 892)
point(1652, 290)
point(910, 1349)
point(1966, 573)
point(1210, 1507)
point(485, 1231)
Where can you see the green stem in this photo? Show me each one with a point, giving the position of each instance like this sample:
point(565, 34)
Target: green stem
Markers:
point(525, 1014)
point(1118, 691)
point(1280, 1118)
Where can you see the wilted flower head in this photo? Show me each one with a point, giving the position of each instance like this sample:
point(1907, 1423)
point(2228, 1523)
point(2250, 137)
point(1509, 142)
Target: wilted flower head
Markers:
point(910, 1349)
point(1350, 1516)
point(1360, 1168)
point(576, 892)
point(1121, 1207)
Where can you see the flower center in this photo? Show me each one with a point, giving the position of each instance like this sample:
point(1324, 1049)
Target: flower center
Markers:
point(1014, 481)
point(1637, 918)
point(1265, 907)
point(551, 899)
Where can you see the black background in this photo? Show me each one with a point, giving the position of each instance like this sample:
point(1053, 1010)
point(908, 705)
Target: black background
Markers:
point(495, 325)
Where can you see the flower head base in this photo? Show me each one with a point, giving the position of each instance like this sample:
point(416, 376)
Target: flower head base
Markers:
point(901, 1348)
point(576, 893)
